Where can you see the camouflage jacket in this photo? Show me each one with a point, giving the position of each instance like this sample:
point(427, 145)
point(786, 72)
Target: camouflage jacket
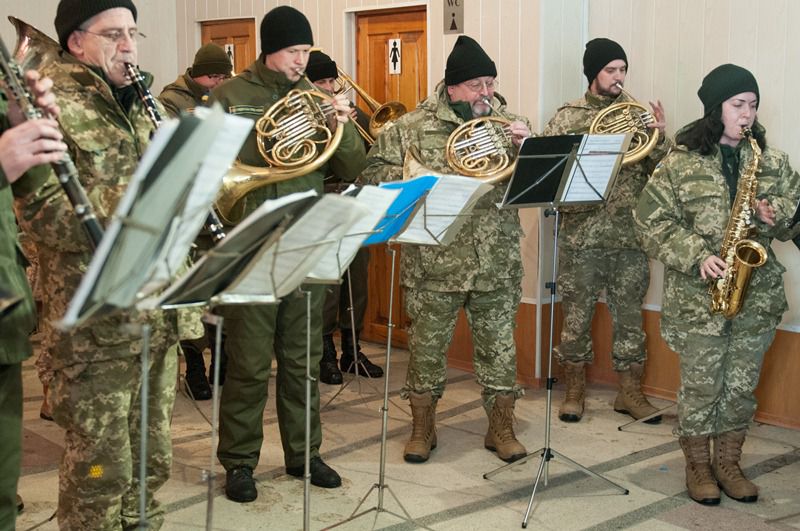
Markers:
point(183, 94)
point(610, 225)
point(681, 218)
point(486, 250)
point(251, 94)
point(19, 322)
point(105, 144)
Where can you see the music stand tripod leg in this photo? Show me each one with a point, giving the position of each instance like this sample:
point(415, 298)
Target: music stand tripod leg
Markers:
point(144, 392)
point(307, 449)
point(645, 419)
point(546, 452)
point(209, 475)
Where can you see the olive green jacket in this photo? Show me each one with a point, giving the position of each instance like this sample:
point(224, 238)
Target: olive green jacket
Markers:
point(183, 94)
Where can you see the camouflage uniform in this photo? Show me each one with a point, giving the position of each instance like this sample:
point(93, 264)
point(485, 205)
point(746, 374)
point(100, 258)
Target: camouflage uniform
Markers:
point(479, 271)
point(255, 333)
point(183, 94)
point(97, 377)
point(598, 249)
point(14, 347)
point(681, 218)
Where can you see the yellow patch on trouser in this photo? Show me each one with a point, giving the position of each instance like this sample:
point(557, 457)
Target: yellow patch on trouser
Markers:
point(96, 471)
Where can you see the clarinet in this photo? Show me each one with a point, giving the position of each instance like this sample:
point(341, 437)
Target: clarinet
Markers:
point(213, 224)
point(65, 169)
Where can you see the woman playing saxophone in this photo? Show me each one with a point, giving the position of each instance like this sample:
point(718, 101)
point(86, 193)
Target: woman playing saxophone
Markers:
point(719, 187)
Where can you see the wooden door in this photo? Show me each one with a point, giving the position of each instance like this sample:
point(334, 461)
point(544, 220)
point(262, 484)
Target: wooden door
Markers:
point(241, 33)
point(374, 29)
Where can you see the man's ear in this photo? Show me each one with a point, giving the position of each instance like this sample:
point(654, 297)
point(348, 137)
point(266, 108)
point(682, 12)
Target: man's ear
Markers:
point(75, 44)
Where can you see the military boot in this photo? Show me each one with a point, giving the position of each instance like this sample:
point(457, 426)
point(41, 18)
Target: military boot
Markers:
point(329, 372)
point(699, 480)
point(195, 378)
point(500, 436)
point(423, 428)
point(630, 399)
point(575, 375)
point(363, 365)
point(727, 454)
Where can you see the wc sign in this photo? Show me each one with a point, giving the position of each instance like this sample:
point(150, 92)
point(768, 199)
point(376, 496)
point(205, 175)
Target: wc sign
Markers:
point(454, 16)
point(395, 56)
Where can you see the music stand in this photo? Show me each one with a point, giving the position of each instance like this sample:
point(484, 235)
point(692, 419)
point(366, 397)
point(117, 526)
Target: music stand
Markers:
point(550, 172)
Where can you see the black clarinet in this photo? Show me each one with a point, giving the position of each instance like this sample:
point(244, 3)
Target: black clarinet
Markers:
point(65, 170)
point(213, 224)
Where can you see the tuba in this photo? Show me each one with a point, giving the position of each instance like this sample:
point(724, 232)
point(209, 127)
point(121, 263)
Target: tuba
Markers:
point(34, 49)
point(383, 115)
point(740, 253)
point(293, 138)
point(628, 117)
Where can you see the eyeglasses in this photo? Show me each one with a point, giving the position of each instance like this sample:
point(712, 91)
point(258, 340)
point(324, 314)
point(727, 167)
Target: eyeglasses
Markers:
point(219, 77)
point(117, 36)
point(476, 85)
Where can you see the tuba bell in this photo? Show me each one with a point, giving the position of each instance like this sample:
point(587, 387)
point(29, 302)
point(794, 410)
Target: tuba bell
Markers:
point(293, 138)
point(34, 49)
point(628, 117)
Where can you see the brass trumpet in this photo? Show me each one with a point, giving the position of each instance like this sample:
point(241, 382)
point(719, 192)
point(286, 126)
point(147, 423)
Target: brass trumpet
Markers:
point(383, 115)
point(628, 117)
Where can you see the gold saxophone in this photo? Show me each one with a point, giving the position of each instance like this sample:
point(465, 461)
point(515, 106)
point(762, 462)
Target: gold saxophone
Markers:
point(740, 253)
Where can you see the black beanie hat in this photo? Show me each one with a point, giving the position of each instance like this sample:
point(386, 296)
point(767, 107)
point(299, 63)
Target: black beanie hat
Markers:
point(211, 59)
point(70, 14)
point(724, 82)
point(467, 61)
point(320, 66)
point(282, 27)
point(599, 52)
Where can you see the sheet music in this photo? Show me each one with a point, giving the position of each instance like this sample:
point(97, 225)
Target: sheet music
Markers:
point(596, 165)
point(402, 208)
point(280, 268)
point(444, 211)
point(334, 263)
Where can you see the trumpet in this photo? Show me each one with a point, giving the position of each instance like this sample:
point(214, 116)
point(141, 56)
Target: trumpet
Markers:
point(383, 115)
point(628, 117)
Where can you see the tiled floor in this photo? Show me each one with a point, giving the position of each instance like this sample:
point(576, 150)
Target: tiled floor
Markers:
point(449, 491)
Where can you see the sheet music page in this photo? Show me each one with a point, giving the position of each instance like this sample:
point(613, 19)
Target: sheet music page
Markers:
point(295, 254)
point(594, 167)
point(444, 211)
point(401, 209)
point(334, 263)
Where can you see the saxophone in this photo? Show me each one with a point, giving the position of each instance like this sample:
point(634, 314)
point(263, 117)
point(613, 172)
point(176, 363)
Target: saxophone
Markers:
point(740, 253)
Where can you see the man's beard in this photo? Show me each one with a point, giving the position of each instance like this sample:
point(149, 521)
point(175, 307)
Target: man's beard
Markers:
point(480, 109)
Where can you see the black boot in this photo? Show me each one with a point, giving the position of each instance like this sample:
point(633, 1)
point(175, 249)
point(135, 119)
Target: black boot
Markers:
point(196, 381)
point(211, 337)
point(328, 370)
point(364, 366)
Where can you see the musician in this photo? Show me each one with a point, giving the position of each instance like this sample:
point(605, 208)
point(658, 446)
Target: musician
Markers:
point(480, 271)
point(322, 71)
point(24, 147)
point(681, 218)
point(97, 373)
point(598, 249)
point(210, 68)
point(255, 333)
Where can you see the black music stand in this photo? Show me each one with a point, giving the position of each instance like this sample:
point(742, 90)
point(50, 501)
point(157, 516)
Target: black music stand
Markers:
point(550, 172)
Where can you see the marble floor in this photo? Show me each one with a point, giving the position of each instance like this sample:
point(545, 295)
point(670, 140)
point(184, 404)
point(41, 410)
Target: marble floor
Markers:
point(448, 492)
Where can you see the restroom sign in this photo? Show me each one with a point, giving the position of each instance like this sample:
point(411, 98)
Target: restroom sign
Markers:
point(395, 56)
point(454, 16)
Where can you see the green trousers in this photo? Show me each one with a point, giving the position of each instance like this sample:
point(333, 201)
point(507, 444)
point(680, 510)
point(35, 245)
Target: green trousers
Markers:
point(253, 335)
point(10, 447)
point(336, 313)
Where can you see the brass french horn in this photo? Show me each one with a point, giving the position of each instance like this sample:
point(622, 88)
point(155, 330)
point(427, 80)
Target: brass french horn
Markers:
point(34, 49)
point(628, 117)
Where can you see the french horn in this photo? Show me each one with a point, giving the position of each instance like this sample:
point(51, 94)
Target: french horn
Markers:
point(628, 117)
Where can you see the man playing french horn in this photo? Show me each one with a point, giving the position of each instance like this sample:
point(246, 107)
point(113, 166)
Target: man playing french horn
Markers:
point(255, 333)
point(479, 271)
point(599, 250)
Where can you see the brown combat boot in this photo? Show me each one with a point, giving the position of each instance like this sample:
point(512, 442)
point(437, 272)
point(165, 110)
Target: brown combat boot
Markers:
point(500, 436)
point(423, 428)
point(575, 375)
point(699, 480)
point(630, 399)
point(727, 453)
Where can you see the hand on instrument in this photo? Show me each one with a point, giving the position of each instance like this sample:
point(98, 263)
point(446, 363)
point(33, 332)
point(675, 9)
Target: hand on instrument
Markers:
point(29, 144)
point(519, 132)
point(765, 212)
point(660, 118)
point(39, 88)
point(341, 104)
point(712, 267)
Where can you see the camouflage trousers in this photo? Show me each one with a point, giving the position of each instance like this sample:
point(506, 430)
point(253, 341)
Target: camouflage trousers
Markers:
point(625, 275)
point(11, 445)
point(492, 319)
point(98, 405)
point(336, 312)
point(719, 375)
